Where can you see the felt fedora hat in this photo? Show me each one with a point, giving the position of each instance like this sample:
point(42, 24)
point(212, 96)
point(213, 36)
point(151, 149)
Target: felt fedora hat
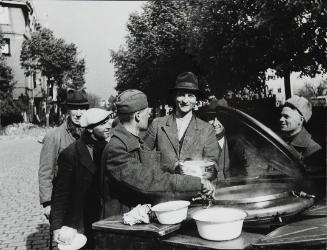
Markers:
point(77, 98)
point(186, 81)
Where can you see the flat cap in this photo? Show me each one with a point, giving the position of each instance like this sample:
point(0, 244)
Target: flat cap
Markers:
point(302, 105)
point(94, 116)
point(130, 101)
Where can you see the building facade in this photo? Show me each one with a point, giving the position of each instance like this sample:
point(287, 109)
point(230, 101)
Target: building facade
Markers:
point(17, 21)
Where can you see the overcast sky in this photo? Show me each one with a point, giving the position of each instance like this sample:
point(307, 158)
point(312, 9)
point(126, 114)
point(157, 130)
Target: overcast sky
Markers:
point(96, 27)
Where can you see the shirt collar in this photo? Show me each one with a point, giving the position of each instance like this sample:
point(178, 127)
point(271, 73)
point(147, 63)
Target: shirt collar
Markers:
point(187, 118)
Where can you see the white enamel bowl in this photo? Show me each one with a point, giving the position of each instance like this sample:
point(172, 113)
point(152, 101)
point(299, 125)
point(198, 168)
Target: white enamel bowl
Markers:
point(219, 223)
point(171, 212)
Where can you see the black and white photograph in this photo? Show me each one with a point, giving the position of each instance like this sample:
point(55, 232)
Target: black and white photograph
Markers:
point(163, 124)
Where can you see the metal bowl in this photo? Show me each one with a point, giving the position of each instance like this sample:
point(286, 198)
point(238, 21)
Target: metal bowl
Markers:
point(197, 167)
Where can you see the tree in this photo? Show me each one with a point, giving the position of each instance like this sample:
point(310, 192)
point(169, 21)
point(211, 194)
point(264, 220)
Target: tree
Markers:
point(244, 38)
point(56, 59)
point(156, 50)
point(310, 90)
point(228, 43)
point(7, 105)
point(296, 32)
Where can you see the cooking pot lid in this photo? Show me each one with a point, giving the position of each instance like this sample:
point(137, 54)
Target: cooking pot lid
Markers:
point(248, 193)
point(255, 148)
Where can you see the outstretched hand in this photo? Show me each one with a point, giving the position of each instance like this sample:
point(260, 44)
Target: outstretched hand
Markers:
point(207, 187)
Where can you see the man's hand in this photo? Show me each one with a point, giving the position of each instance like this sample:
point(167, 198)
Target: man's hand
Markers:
point(210, 173)
point(178, 169)
point(56, 235)
point(47, 211)
point(207, 187)
point(64, 235)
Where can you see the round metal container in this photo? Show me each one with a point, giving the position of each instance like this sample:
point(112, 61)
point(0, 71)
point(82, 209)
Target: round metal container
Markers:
point(263, 202)
point(197, 167)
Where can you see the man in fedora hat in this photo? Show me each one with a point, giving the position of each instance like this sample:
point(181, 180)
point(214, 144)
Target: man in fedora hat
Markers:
point(57, 140)
point(182, 135)
point(133, 173)
point(209, 114)
point(78, 187)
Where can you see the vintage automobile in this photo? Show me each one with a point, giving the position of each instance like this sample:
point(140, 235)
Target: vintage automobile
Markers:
point(268, 181)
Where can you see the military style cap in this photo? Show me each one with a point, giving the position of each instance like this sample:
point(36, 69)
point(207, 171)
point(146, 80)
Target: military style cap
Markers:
point(188, 81)
point(77, 98)
point(94, 116)
point(130, 101)
point(302, 105)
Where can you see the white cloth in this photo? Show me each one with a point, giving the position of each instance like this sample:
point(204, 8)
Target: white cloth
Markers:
point(139, 214)
point(182, 124)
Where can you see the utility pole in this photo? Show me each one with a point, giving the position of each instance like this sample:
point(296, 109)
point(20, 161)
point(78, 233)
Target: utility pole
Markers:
point(0, 115)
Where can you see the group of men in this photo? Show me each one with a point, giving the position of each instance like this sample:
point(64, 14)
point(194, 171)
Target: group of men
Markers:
point(85, 176)
point(89, 170)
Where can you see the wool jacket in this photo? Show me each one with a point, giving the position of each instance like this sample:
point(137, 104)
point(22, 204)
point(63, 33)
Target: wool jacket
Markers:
point(199, 141)
point(54, 142)
point(133, 175)
point(309, 151)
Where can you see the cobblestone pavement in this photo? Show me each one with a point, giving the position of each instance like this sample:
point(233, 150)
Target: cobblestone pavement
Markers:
point(22, 223)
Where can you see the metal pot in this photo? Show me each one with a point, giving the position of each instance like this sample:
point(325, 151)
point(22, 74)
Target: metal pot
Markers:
point(263, 202)
point(197, 167)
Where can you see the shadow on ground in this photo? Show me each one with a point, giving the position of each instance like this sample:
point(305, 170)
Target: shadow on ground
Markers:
point(39, 239)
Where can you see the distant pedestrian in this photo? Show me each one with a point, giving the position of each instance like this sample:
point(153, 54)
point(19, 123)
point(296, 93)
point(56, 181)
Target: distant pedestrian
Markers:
point(57, 140)
point(78, 188)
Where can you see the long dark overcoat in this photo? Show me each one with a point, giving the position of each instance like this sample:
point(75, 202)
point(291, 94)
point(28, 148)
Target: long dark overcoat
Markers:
point(76, 199)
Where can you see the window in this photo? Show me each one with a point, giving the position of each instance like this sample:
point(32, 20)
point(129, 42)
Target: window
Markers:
point(5, 46)
point(4, 15)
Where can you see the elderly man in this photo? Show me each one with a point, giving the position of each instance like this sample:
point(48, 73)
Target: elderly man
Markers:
point(182, 135)
point(57, 140)
point(133, 172)
point(77, 194)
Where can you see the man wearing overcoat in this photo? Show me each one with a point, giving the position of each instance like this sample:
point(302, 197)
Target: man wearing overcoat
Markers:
point(78, 190)
point(182, 135)
point(133, 172)
point(57, 140)
point(295, 114)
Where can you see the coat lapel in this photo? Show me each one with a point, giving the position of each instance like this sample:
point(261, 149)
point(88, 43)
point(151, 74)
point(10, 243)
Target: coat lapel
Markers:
point(85, 157)
point(192, 135)
point(170, 128)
